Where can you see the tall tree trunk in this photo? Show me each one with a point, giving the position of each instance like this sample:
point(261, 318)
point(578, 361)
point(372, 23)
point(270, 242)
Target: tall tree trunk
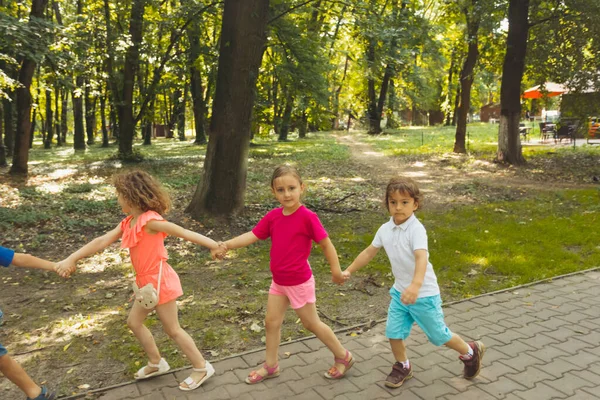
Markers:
point(49, 120)
point(2, 148)
point(456, 106)
point(374, 116)
point(466, 76)
point(179, 111)
point(113, 86)
point(78, 126)
point(57, 113)
point(132, 58)
point(336, 98)
point(90, 113)
point(509, 141)
point(450, 84)
point(22, 139)
point(9, 126)
point(64, 128)
point(198, 105)
point(284, 129)
point(243, 38)
point(103, 120)
point(303, 128)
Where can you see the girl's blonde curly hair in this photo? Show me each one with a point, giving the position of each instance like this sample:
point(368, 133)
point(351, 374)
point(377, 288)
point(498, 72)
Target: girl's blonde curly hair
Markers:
point(142, 191)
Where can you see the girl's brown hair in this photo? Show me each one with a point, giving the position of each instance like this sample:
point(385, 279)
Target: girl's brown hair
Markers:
point(403, 184)
point(285, 170)
point(141, 190)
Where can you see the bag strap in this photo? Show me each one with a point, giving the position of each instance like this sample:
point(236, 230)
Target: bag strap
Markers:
point(159, 278)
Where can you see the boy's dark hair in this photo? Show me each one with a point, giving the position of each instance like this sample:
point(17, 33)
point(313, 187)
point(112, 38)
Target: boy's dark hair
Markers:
point(285, 169)
point(403, 184)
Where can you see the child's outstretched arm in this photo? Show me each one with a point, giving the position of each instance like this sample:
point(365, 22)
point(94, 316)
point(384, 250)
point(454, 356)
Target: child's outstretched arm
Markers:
point(175, 230)
point(245, 239)
point(67, 266)
point(410, 295)
point(333, 260)
point(361, 260)
point(29, 261)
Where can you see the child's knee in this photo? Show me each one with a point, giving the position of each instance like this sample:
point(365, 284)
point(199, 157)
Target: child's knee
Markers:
point(273, 323)
point(173, 331)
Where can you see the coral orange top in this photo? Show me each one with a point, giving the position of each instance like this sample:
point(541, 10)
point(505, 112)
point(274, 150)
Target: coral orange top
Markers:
point(147, 251)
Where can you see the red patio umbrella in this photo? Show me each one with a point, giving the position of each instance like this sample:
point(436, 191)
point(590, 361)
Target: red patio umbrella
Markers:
point(551, 89)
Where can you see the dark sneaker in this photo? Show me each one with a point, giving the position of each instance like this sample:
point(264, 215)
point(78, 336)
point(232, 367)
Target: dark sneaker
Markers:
point(45, 395)
point(398, 375)
point(473, 365)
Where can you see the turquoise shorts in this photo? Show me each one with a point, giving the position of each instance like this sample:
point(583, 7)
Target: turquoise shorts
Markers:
point(426, 312)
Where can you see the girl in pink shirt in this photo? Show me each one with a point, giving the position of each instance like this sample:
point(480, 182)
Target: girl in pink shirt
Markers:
point(292, 229)
point(143, 232)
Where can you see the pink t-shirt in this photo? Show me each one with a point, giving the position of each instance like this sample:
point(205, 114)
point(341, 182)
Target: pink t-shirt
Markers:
point(291, 241)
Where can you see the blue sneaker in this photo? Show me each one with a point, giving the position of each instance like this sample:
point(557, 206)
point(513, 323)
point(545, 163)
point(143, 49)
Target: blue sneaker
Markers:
point(45, 395)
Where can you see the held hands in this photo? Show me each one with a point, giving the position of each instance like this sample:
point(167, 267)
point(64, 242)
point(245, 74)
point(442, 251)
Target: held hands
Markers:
point(340, 278)
point(65, 267)
point(219, 252)
point(409, 296)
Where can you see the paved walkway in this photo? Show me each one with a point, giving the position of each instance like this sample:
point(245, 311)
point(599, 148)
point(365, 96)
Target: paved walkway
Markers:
point(543, 342)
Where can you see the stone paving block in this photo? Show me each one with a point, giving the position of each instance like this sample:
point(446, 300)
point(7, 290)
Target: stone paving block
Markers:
point(514, 348)
point(559, 367)
point(525, 309)
point(373, 391)
point(365, 380)
point(538, 341)
point(254, 359)
point(423, 349)
point(238, 389)
point(280, 391)
point(427, 362)
point(502, 387)
point(309, 394)
point(524, 320)
point(461, 384)
point(561, 334)
point(294, 348)
point(473, 393)
point(215, 393)
point(589, 376)
point(353, 344)
point(591, 392)
point(494, 318)
point(363, 354)
point(532, 329)
point(343, 386)
point(507, 337)
point(505, 323)
point(377, 362)
point(572, 345)
point(503, 296)
point(545, 313)
point(433, 391)
point(582, 395)
point(568, 383)
point(221, 379)
point(574, 317)
point(123, 392)
point(173, 393)
point(287, 375)
point(547, 354)
point(433, 374)
point(592, 338)
point(494, 371)
point(468, 326)
point(313, 344)
point(522, 361)
point(531, 377)
point(591, 312)
point(464, 306)
point(313, 356)
point(230, 364)
point(578, 295)
point(318, 366)
point(158, 382)
point(492, 354)
point(484, 300)
point(540, 391)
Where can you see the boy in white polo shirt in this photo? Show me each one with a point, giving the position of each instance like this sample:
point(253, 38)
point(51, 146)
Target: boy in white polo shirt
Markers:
point(415, 293)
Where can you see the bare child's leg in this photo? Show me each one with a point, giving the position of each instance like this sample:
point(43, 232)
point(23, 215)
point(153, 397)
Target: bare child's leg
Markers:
point(311, 321)
point(276, 308)
point(398, 349)
point(169, 316)
point(457, 344)
point(135, 322)
point(17, 375)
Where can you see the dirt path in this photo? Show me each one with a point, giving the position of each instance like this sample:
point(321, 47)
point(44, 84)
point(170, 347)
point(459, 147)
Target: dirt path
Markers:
point(447, 177)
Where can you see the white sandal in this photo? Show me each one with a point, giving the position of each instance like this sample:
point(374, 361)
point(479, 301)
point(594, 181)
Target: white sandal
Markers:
point(162, 366)
point(191, 384)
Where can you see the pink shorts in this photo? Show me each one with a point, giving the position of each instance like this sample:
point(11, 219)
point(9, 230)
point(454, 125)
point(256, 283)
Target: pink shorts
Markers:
point(298, 295)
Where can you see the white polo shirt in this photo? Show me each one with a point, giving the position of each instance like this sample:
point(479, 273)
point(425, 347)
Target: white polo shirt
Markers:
point(400, 243)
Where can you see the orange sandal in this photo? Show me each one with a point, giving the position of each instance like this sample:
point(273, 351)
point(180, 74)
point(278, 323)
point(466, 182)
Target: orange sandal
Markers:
point(254, 377)
point(335, 373)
